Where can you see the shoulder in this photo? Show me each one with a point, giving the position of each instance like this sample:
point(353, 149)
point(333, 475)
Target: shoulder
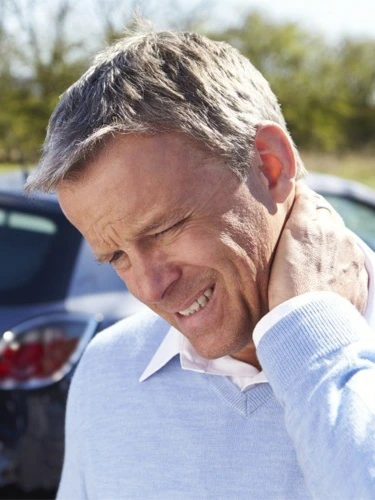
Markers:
point(129, 343)
point(136, 331)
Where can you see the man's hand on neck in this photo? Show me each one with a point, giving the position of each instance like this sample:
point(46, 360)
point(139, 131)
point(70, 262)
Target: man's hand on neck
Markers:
point(316, 252)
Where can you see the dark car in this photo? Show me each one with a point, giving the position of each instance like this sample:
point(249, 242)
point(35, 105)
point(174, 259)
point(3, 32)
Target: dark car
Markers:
point(54, 297)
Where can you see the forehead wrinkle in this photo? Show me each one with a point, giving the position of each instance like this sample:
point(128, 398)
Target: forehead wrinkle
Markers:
point(105, 236)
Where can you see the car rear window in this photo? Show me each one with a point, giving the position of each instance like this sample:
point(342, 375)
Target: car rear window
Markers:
point(38, 249)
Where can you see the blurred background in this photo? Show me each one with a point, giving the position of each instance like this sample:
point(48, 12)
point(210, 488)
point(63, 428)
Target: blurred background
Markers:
point(318, 56)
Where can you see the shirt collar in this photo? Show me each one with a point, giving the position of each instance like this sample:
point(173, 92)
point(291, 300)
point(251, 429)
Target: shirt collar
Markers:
point(174, 343)
point(167, 350)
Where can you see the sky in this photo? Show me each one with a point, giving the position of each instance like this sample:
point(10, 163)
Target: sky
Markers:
point(334, 18)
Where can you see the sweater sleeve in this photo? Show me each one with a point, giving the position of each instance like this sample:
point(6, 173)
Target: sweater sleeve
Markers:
point(72, 482)
point(320, 362)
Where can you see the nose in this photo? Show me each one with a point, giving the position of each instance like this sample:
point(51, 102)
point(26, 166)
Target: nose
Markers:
point(150, 276)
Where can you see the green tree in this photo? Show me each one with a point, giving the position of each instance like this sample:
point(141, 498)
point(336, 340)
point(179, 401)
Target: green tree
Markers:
point(357, 72)
point(34, 72)
point(325, 90)
point(39, 60)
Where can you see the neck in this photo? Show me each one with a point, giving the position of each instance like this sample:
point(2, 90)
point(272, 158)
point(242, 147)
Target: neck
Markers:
point(248, 355)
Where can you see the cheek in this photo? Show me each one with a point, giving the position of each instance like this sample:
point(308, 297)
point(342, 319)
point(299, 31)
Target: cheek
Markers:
point(124, 276)
point(207, 248)
point(222, 252)
point(128, 277)
point(198, 247)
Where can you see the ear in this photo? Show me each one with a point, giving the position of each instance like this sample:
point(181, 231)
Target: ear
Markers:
point(277, 161)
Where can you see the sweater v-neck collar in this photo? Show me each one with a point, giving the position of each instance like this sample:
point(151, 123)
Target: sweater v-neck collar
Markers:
point(245, 403)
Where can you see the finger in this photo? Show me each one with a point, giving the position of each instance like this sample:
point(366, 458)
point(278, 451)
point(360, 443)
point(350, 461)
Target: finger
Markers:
point(314, 206)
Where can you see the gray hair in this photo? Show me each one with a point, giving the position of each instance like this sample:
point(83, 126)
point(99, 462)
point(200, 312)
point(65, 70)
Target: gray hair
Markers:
point(159, 82)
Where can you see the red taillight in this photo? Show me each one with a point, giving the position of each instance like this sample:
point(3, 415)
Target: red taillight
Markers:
point(35, 359)
point(41, 351)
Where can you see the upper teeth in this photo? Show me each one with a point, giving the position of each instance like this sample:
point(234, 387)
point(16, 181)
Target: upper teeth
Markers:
point(199, 303)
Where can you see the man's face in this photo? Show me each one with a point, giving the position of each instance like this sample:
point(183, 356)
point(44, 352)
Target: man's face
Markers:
point(186, 236)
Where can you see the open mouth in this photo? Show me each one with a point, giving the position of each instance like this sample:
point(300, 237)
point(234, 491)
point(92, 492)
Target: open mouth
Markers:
point(199, 303)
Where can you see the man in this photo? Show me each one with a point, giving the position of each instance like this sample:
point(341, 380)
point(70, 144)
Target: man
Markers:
point(254, 377)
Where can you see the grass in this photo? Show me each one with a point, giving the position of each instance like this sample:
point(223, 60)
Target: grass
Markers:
point(355, 166)
point(7, 167)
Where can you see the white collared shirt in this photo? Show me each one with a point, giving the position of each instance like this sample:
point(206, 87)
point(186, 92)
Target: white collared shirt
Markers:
point(242, 374)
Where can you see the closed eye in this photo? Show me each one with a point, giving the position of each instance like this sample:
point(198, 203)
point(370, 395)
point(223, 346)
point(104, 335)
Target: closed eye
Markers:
point(116, 256)
point(170, 229)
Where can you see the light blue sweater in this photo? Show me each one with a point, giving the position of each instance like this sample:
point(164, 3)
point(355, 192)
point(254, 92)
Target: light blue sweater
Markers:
point(186, 435)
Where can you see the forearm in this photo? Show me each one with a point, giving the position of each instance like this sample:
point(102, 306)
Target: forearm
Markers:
point(320, 362)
